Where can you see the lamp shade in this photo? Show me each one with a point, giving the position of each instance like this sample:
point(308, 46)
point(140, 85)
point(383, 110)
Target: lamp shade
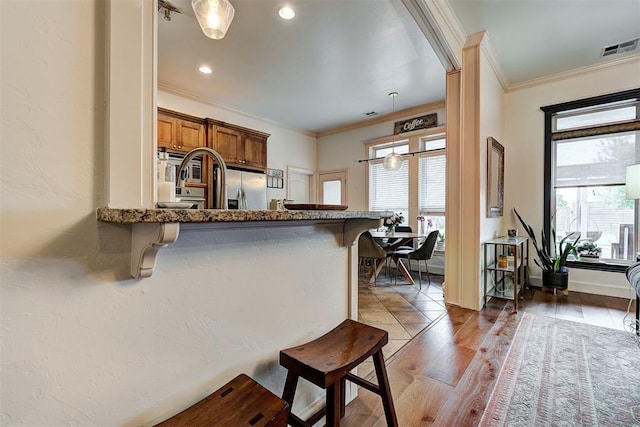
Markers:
point(633, 182)
point(393, 161)
point(214, 16)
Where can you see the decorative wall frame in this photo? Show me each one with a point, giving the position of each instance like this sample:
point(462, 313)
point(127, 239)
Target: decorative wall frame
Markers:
point(275, 178)
point(495, 178)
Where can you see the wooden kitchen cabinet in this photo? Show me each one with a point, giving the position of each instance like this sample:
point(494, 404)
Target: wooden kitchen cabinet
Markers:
point(180, 132)
point(238, 146)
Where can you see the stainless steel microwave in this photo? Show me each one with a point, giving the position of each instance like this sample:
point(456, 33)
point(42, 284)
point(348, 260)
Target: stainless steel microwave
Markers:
point(193, 169)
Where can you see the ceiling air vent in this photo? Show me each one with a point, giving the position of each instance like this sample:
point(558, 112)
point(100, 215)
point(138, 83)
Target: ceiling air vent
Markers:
point(627, 46)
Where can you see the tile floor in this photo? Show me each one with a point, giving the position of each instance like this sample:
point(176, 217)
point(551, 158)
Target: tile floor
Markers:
point(402, 310)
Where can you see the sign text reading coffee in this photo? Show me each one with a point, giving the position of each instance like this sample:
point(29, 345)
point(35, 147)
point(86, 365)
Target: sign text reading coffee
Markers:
point(422, 122)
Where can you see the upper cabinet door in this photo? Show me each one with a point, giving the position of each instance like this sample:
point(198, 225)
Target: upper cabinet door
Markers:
point(227, 142)
point(191, 135)
point(238, 146)
point(255, 151)
point(166, 131)
point(180, 132)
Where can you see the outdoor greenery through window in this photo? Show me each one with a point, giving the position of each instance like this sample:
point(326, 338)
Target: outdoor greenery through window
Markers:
point(589, 145)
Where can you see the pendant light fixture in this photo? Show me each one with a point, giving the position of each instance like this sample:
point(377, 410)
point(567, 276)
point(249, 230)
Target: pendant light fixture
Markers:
point(214, 16)
point(393, 161)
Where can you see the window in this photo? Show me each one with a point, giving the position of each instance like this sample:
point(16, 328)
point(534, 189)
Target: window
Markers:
point(417, 189)
point(431, 181)
point(389, 190)
point(589, 144)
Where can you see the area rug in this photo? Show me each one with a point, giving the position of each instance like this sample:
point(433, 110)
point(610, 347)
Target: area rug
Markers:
point(562, 373)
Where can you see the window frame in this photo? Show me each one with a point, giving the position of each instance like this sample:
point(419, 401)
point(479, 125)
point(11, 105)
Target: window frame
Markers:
point(414, 139)
point(433, 152)
point(375, 160)
point(550, 112)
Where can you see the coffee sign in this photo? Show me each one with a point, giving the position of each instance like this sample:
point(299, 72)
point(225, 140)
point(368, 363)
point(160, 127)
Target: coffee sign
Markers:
point(422, 122)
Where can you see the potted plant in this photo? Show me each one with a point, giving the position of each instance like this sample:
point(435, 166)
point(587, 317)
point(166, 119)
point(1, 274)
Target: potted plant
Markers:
point(552, 258)
point(588, 251)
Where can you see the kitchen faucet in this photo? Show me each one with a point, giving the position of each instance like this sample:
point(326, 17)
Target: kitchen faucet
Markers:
point(221, 190)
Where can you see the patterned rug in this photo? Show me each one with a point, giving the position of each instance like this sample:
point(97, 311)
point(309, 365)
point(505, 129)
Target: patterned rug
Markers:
point(562, 373)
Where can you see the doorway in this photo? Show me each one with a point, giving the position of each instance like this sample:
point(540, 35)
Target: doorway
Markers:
point(332, 188)
point(300, 185)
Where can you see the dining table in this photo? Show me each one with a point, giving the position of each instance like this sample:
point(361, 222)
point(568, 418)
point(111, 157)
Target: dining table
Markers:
point(381, 236)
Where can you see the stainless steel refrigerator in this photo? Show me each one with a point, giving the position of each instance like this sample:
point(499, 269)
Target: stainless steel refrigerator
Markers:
point(246, 190)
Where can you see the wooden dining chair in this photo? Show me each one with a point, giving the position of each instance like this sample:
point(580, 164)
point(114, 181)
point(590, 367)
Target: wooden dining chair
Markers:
point(370, 250)
point(423, 253)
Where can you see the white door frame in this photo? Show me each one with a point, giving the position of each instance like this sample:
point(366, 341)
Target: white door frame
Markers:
point(337, 175)
point(302, 171)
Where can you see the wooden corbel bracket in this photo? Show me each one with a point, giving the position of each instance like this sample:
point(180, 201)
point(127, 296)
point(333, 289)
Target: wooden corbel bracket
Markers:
point(146, 241)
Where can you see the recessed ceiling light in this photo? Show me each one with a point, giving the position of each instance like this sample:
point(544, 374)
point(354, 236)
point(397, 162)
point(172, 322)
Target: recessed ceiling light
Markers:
point(205, 70)
point(286, 12)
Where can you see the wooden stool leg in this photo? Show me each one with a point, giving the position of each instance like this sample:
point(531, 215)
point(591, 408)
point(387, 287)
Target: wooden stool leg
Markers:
point(332, 416)
point(385, 389)
point(290, 388)
point(343, 390)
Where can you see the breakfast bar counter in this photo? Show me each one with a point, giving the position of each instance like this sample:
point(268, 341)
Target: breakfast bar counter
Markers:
point(135, 216)
point(154, 229)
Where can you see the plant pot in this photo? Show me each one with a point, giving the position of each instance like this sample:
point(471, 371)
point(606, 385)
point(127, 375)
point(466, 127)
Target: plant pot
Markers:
point(589, 258)
point(554, 280)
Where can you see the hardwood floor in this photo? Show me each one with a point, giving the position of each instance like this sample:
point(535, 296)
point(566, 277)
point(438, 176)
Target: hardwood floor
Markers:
point(445, 374)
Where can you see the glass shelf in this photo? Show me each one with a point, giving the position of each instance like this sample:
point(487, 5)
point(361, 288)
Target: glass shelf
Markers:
point(506, 282)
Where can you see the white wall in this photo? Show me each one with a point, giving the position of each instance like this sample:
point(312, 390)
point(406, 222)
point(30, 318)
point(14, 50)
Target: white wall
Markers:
point(82, 343)
point(492, 121)
point(525, 160)
point(285, 146)
point(492, 113)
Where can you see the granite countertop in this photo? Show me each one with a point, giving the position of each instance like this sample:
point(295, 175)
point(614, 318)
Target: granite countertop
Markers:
point(135, 216)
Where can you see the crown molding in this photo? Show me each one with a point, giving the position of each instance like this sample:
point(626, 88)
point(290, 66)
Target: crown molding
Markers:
point(438, 23)
point(576, 72)
point(379, 119)
point(185, 94)
point(492, 57)
point(453, 23)
point(481, 38)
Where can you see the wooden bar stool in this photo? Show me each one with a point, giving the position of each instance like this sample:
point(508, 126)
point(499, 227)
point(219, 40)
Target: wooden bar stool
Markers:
point(326, 362)
point(240, 402)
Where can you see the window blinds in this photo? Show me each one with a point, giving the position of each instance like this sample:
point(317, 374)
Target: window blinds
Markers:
point(388, 190)
point(594, 161)
point(431, 183)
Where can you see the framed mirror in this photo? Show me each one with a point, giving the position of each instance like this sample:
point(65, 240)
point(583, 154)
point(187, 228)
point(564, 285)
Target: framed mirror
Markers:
point(495, 178)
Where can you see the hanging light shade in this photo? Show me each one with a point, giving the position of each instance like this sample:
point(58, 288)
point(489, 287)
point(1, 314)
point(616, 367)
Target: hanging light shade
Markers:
point(214, 16)
point(393, 161)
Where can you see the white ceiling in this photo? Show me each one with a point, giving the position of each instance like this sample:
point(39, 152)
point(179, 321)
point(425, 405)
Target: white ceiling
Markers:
point(338, 59)
point(334, 62)
point(536, 38)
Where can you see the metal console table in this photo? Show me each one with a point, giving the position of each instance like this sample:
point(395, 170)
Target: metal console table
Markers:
point(506, 268)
